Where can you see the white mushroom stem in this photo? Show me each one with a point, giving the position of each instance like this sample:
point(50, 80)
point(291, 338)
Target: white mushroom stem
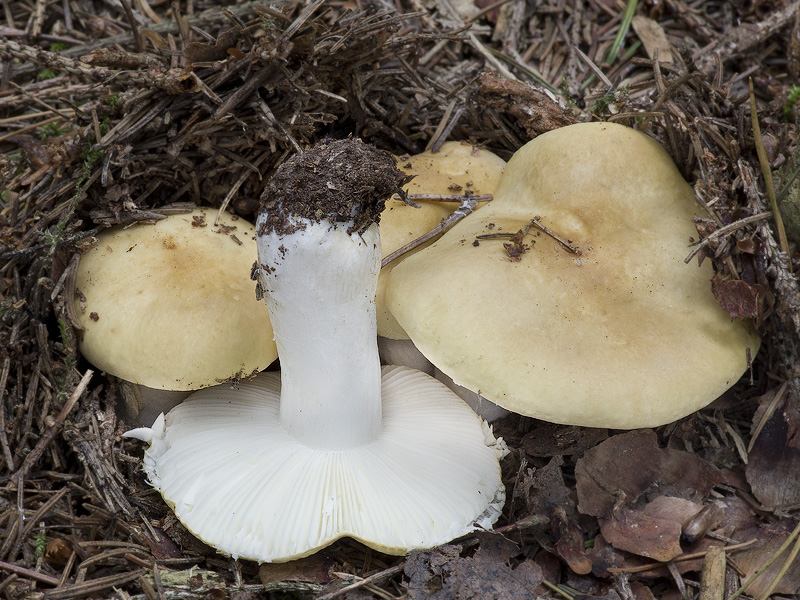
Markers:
point(325, 329)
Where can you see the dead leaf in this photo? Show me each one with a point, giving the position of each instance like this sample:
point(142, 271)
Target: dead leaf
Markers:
point(653, 38)
point(635, 531)
point(752, 558)
point(674, 509)
point(164, 547)
point(547, 490)
point(773, 470)
point(738, 298)
point(687, 475)
point(641, 591)
point(746, 245)
point(154, 38)
point(492, 15)
point(569, 542)
point(57, 552)
point(736, 514)
point(550, 439)
point(443, 574)
point(609, 595)
point(628, 463)
point(604, 556)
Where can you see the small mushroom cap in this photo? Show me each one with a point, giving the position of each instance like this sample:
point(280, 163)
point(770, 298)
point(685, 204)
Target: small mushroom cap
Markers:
point(171, 306)
point(241, 483)
point(456, 168)
point(625, 335)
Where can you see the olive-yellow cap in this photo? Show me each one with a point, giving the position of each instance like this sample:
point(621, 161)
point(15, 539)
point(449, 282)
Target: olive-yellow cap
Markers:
point(623, 335)
point(171, 305)
point(454, 169)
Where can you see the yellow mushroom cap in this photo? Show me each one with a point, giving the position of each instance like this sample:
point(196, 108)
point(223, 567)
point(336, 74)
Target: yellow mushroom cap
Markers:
point(624, 335)
point(171, 306)
point(456, 168)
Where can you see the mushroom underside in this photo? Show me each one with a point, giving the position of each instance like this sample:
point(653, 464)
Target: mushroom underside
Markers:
point(239, 482)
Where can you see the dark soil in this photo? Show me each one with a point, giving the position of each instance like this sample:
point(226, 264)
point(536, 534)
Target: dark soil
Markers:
point(333, 180)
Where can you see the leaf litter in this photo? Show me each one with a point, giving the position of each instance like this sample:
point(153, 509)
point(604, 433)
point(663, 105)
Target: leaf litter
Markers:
point(125, 113)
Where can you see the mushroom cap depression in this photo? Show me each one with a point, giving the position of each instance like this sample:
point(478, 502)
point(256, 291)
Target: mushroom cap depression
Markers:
point(624, 335)
point(456, 168)
point(171, 306)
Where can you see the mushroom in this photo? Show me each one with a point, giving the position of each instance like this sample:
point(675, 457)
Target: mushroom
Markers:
point(334, 445)
point(456, 168)
point(170, 306)
point(593, 318)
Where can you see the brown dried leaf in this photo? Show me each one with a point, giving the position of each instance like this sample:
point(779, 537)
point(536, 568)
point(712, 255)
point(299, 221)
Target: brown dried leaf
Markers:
point(653, 37)
point(548, 482)
point(687, 475)
point(164, 547)
point(773, 470)
point(154, 38)
point(569, 542)
point(628, 463)
point(746, 245)
point(637, 532)
point(641, 591)
point(551, 439)
point(57, 552)
point(632, 463)
point(752, 558)
point(739, 299)
point(604, 556)
point(442, 573)
point(492, 15)
point(672, 509)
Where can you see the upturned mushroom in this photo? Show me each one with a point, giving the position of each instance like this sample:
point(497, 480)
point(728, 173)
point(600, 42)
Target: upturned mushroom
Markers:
point(592, 317)
point(170, 307)
point(333, 446)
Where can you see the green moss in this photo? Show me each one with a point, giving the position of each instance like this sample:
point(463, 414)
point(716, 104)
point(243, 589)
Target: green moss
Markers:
point(52, 130)
point(791, 100)
point(113, 101)
point(40, 544)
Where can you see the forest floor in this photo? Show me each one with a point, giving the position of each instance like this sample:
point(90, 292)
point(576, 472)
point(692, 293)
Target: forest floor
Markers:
point(116, 112)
